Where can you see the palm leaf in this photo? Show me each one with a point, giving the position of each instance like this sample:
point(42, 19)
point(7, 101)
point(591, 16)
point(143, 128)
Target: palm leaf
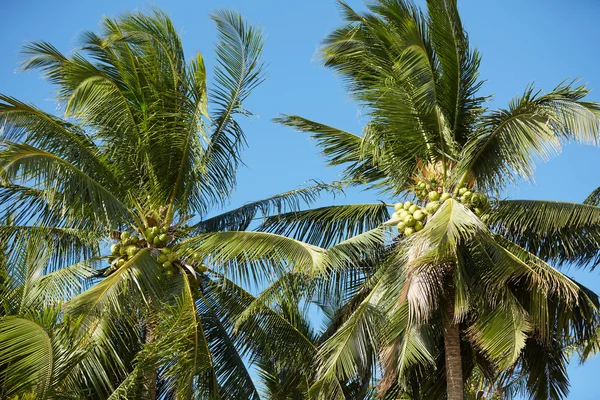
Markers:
point(326, 226)
point(555, 231)
point(240, 218)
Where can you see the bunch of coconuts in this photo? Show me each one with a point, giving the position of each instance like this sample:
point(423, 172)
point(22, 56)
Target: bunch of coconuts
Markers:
point(127, 247)
point(414, 217)
point(156, 236)
point(477, 202)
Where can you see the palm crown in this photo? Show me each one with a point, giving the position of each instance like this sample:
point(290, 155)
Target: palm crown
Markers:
point(472, 288)
point(138, 161)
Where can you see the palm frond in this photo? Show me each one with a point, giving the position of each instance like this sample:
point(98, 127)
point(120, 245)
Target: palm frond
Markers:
point(326, 226)
point(532, 129)
point(239, 71)
point(554, 231)
point(27, 357)
point(240, 218)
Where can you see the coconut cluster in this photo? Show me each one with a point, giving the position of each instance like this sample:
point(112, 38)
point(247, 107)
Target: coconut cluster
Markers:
point(125, 249)
point(156, 238)
point(413, 217)
point(477, 202)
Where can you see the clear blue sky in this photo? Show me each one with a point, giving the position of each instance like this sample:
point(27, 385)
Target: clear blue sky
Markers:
point(541, 41)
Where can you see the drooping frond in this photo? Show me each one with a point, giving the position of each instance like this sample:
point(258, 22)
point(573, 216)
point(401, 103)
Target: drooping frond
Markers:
point(23, 163)
point(555, 231)
point(341, 148)
point(240, 218)
point(253, 256)
point(326, 226)
point(509, 142)
point(27, 357)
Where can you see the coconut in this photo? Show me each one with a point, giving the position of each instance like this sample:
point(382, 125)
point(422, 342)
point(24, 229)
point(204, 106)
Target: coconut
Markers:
point(434, 196)
point(408, 231)
point(403, 214)
point(125, 235)
point(413, 208)
point(163, 237)
point(202, 268)
point(398, 206)
point(432, 207)
point(115, 248)
point(401, 225)
point(167, 264)
point(156, 240)
point(409, 220)
point(162, 258)
point(462, 191)
point(418, 226)
point(122, 250)
point(171, 272)
point(121, 262)
point(445, 196)
point(467, 195)
point(395, 215)
point(132, 250)
point(478, 211)
point(407, 205)
point(419, 215)
point(165, 250)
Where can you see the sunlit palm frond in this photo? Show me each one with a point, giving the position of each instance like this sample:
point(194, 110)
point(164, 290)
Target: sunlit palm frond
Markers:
point(239, 71)
point(533, 128)
point(555, 231)
point(239, 219)
point(326, 226)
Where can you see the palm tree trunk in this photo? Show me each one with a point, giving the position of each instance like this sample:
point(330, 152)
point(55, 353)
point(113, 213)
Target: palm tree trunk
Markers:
point(454, 374)
point(152, 375)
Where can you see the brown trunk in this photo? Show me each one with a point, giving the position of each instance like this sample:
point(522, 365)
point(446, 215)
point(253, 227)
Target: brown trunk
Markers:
point(151, 377)
point(454, 375)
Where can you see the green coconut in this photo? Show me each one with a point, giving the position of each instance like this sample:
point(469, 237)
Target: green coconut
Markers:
point(408, 231)
point(418, 226)
point(434, 196)
point(115, 248)
point(432, 207)
point(401, 225)
point(409, 220)
point(419, 215)
point(445, 196)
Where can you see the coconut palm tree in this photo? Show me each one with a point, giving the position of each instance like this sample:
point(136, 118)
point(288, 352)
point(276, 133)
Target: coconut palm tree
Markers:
point(467, 283)
point(138, 162)
point(42, 352)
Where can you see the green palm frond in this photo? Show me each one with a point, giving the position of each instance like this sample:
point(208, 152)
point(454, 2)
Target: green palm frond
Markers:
point(137, 278)
point(532, 129)
point(593, 198)
point(22, 162)
point(555, 231)
point(26, 352)
point(345, 354)
point(233, 377)
point(239, 71)
point(240, 218)
point(326, 226)
point(458, 84)
point(340, 148)
point(248, 256)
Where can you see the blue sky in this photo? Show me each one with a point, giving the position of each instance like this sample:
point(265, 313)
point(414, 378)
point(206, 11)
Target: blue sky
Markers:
point(540, 41)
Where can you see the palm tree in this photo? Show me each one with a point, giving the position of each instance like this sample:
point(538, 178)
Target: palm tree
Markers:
point(42, 352)
point(472, 288)
point(138, 161)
